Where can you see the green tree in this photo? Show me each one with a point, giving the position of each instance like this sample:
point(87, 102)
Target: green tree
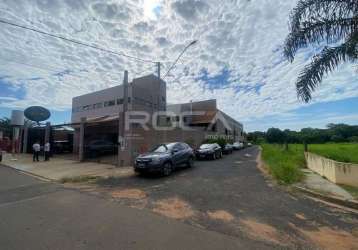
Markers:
point(317, 22)
point(5, 126)
point(275, 135)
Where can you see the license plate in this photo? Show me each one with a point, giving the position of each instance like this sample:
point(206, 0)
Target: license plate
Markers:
point(140, 165)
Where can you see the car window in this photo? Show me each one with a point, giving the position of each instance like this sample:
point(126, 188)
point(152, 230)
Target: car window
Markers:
point(160, 149)
point(170, 145)
point(178, 147)
point(205, 146)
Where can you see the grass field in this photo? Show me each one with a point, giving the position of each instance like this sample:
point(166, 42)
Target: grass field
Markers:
point(344, 152)
point(284, 165)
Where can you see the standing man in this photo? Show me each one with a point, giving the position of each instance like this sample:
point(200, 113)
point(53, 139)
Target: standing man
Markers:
point(47, 151)
point(36, 151)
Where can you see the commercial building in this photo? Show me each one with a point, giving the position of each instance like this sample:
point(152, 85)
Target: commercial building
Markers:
point(148, 119)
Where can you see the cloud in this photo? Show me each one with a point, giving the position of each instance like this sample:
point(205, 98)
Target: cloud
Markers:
point(239, 45)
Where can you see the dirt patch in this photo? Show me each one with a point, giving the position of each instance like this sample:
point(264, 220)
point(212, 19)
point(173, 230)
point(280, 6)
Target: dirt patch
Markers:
point(129, 194)
point(301, 216)
point(261, 165)
point(221, 215)
point(174, 208)
point(328, 238)
point(264, 232)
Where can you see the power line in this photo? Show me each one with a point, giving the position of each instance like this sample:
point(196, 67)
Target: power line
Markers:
point(55, 71)
point(75, 41)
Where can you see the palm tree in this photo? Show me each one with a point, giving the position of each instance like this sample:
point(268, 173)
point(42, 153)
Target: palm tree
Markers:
point(317, 22)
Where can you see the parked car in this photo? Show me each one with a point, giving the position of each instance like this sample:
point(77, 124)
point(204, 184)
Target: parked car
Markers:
point(228, 148)
point(249, 144)
point(238, 145)
point(212, 151)
point(60, 147)
point(97, 148)
point(165, 158)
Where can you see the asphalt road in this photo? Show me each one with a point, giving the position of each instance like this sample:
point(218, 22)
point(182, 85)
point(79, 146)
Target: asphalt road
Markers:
point(232, 197)
point(41, 215)
point(223, 204)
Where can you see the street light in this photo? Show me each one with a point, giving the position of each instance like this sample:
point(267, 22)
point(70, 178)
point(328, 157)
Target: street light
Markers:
point(171, 67)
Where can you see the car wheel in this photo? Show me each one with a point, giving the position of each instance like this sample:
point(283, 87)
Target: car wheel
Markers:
point(167, 169)
point(214, 156)
point(190, 162)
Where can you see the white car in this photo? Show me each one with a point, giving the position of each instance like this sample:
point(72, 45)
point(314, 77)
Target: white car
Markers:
point(238, 145)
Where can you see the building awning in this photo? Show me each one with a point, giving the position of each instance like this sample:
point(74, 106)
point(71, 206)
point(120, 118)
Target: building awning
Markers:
point(100, 119)
point(208, 117)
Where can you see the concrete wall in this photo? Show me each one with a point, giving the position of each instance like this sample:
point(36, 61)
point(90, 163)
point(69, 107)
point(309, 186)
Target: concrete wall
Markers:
point(337, 172)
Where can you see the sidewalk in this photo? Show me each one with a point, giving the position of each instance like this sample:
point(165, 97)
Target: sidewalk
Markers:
point(59, 168)
point(317, 183)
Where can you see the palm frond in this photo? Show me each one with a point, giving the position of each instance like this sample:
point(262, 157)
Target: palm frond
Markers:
point(312, 10)
point(323, 63)
point(327, 30)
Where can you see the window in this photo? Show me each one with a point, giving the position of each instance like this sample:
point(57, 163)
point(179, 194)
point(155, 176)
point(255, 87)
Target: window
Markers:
point(98, 105)
point(213, 128)
point(109, 103)
point(86, 107)
point(120, 101)
point(129, 100)
point(163, 99)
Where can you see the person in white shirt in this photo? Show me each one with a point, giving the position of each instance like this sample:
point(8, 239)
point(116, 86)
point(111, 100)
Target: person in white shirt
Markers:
point(36, 151)
point(47, 151)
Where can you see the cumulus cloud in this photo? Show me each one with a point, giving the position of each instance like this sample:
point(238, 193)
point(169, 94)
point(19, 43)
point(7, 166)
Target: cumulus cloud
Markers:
point(242, 38)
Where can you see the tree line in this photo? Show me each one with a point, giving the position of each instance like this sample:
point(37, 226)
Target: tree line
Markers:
point(333, 133)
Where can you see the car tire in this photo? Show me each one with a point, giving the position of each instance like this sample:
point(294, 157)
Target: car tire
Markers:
point(213, 156)
point(190, 162)
point(167, 169)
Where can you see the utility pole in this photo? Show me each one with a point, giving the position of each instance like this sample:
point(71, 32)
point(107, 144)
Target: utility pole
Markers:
point(158, 69)
point(122, 122)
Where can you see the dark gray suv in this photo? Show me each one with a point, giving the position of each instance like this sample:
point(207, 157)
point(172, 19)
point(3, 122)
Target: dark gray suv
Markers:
point(164, 158)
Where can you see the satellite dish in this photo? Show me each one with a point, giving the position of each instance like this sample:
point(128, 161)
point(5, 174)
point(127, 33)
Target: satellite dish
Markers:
point(37, 113)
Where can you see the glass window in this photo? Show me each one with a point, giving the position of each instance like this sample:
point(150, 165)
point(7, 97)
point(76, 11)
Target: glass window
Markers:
point(109, 103)
point(205, 146)
point(120, 101)
point(160, 149)
point(86, 107)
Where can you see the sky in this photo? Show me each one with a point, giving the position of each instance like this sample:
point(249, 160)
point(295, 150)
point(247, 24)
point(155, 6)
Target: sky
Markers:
point(237, 60)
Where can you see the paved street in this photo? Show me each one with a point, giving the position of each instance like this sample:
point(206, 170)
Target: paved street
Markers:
point(232, 197)
point(39, 215)
point(223, 204)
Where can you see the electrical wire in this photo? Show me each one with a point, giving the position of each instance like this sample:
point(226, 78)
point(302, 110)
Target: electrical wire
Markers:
point(75, 41)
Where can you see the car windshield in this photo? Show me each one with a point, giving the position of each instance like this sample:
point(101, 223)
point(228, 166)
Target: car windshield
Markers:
point(162, 148)
point(206, 146)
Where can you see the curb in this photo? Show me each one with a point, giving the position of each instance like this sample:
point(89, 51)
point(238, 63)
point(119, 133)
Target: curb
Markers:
point(28, 173)
point(336, 200)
